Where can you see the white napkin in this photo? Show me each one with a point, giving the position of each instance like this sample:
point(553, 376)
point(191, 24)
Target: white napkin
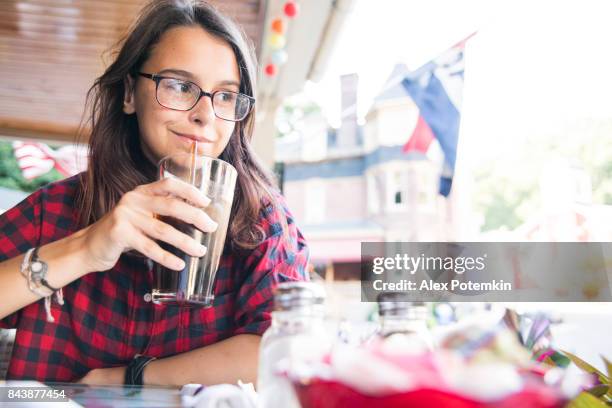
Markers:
point(215, 396)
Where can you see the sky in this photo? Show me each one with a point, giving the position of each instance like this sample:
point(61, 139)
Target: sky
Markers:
point(532, 68)
point(379, 34)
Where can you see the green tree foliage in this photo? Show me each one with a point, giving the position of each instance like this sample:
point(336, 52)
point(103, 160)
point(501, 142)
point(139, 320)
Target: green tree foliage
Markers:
point(507, 185)
point(293, 112)
point(11, 176)
point(505, 196)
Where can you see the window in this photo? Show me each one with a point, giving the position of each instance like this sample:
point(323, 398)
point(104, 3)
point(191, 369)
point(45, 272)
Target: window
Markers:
point(398, 197)
point(398, 190)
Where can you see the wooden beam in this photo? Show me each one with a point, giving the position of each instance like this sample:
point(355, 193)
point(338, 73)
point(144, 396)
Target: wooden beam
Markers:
point(35, 129)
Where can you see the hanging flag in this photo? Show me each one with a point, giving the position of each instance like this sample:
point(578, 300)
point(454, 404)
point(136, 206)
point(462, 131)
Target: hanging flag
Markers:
point(36, 159)
point(436, 88)
point(421, 138)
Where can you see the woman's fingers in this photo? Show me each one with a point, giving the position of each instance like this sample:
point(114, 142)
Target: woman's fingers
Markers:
point(180, 189)
point(176, 208)
point(157, 229)
point(169, 195)
point(153, 251)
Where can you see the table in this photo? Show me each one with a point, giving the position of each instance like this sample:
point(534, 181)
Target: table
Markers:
point(112, 396)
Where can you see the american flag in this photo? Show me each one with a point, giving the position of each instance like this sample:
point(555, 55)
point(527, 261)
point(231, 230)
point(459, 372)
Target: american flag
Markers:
point(36, 159)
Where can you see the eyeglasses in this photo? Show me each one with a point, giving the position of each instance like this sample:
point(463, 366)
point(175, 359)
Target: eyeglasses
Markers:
point(182, 95)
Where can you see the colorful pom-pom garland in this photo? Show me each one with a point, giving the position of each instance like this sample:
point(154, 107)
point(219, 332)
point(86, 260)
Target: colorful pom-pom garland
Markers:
point(277, 39)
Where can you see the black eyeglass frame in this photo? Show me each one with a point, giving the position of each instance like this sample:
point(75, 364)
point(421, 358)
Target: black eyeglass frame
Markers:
point(157, 79)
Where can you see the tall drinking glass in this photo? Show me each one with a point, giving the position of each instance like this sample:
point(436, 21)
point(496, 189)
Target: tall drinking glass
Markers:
point(193, 286)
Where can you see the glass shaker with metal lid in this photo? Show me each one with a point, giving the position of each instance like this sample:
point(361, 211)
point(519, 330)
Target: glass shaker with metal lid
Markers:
point(296, 335)
point(403, 318)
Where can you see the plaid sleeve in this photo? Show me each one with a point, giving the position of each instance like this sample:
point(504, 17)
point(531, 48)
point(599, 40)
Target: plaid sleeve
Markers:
point(279, 258)
point(19, 231)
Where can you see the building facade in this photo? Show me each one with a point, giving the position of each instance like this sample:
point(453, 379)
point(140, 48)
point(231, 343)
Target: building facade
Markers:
point(356, 184)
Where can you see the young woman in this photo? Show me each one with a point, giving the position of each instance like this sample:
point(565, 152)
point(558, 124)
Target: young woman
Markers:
point(179, 65)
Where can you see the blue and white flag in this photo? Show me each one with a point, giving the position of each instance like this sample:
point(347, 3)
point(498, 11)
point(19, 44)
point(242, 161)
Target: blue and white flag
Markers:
point(437, 88)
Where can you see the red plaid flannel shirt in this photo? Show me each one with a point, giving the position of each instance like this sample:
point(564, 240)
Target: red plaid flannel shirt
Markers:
point(105, 320)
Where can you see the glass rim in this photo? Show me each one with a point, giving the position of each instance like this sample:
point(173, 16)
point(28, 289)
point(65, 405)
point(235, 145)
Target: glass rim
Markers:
point(198, 157)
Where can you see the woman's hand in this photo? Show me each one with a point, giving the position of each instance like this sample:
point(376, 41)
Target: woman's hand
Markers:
point(132, 224)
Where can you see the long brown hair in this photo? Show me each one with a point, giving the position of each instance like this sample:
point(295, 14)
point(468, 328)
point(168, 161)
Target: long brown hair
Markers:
point(117, 163)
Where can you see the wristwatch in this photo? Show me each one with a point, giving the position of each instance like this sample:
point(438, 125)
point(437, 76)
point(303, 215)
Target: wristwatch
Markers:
point(38, 270)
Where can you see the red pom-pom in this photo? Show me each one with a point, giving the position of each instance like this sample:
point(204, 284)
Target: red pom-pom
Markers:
point(291, 9)
point(270, 70)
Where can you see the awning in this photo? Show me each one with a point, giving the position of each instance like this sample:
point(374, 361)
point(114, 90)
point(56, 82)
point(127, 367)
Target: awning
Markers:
point(340, 242)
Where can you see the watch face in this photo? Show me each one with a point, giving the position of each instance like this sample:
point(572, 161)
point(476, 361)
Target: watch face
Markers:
point(37, 269)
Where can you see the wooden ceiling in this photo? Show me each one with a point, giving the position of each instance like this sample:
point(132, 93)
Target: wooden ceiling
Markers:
point(52, 50)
